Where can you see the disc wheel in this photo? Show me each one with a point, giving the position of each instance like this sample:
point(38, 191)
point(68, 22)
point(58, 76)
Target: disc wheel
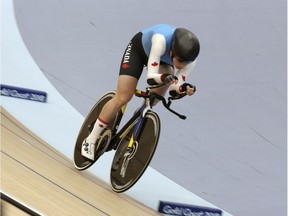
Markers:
point(80, 162)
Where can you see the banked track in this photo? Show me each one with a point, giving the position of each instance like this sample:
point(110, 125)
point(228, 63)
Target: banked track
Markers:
point(42, 178)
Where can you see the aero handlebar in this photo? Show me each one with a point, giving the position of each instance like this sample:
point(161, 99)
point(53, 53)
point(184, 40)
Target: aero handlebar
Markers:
point(166, 103)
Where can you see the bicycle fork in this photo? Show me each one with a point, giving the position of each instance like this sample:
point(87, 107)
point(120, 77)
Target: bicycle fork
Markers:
point(133, 143)
point(129, 154)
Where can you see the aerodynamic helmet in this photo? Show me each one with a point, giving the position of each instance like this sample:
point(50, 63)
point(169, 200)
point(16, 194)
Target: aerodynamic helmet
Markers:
point(185, 45)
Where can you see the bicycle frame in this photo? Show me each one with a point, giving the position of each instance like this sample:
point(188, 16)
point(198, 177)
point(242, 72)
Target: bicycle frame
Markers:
point(149, 98)
point(146, 106)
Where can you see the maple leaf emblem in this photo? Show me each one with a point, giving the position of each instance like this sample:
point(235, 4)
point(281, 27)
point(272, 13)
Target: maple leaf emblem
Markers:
point(183, 78)
point(154, 64)
point(125, 66)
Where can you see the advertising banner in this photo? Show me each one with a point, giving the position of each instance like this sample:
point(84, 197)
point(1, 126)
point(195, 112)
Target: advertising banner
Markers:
point(170, 208)
point(23, 93)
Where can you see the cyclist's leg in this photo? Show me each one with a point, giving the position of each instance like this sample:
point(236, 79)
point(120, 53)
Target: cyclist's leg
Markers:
point(131, 68)
point(130, 71)
point(125, 90)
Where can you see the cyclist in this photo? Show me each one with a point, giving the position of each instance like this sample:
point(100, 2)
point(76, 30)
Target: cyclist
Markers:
point(160, 48)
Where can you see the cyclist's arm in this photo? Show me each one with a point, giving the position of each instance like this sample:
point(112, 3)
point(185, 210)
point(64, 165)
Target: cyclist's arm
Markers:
point(182, 77)
point(157, 50)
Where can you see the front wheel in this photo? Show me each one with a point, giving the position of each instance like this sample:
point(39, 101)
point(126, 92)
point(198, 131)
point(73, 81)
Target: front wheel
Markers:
point(129, 164)
point(80, 162)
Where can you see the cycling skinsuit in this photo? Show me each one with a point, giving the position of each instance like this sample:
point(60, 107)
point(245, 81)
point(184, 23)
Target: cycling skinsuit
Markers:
point(136, 54)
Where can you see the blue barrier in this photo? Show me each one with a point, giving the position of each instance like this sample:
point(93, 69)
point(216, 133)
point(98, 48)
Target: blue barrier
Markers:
point(23, 93)
point(171, 208)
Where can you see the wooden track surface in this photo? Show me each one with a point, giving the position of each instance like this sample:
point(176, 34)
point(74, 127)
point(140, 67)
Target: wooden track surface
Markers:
point(10, 210)
point(41, 177)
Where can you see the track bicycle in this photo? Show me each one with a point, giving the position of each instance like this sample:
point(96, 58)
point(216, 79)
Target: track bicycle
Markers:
point(135, 143)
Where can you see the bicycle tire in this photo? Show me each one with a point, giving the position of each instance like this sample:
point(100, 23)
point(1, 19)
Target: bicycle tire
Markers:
point(147, 144)
point(81, 163)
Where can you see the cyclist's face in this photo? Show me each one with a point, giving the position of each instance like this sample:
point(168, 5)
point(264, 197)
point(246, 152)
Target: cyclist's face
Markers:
point(178, 63)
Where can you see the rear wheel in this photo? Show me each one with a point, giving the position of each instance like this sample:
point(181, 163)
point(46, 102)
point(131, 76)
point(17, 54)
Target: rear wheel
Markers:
point(80, 162)
point(129, 165)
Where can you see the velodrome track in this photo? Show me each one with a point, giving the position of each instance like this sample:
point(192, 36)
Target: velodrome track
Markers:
point(241, 102)
point(32, 168)
point(35, 171)
point(39, 176)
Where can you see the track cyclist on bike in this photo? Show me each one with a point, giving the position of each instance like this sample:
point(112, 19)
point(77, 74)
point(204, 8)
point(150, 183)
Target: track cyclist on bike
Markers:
point(164, 50)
